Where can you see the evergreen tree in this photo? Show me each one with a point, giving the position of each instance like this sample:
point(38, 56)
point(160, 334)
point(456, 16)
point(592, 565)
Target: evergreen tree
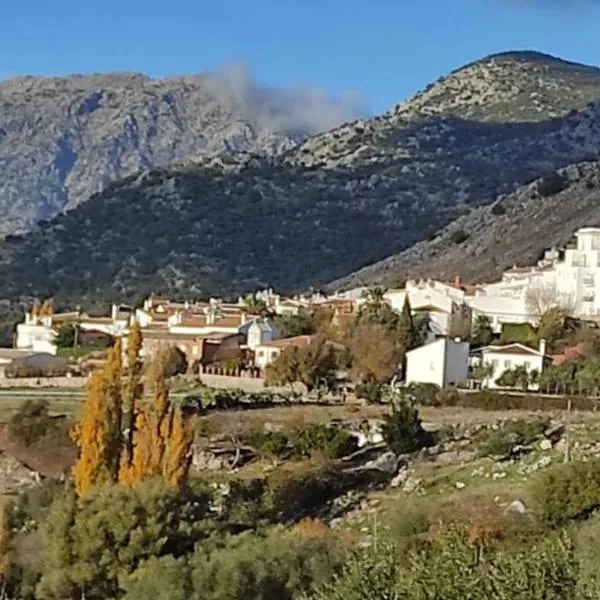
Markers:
point(482, 334)
point(407, 334)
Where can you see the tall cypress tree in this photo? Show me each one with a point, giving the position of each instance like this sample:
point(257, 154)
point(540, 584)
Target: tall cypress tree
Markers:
point(407, 334)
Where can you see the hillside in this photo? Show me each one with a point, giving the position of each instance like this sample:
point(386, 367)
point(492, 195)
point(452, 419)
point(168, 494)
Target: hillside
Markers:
point(515, 230)
point(337, 202)
point(63, 139)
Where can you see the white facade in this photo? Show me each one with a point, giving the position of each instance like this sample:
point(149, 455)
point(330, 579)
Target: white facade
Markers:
point(261, 331)
point(503, 358)
point(523, 293)
point(445, 304)
point(35, 337)
point(442, 362)
point(265, 355)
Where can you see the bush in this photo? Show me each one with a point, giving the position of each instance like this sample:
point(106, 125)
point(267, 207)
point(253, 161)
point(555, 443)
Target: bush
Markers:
point(272, 443)
point(331, 441)
point(552, 184)
point(425, 394)
point(511, 434)
point(176, 362)
point(454, 567)
point(459, 236)
point(490, 400)
point(30, 507)
point(498, 209)
point(402, 430)
point(566, 492)
point(31, 422)
point(371, 391)
point(280, 566)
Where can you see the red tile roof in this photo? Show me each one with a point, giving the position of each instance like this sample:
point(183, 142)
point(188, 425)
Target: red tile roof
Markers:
point(569, 354)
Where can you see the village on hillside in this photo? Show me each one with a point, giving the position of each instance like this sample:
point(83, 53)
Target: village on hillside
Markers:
point(516, 332)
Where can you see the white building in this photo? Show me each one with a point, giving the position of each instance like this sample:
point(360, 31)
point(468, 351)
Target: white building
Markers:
point(445, 305)
point(510, 356)
point(525, 292)
point(442, 362)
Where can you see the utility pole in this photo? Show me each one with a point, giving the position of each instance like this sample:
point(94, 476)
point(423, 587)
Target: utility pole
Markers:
point(568, 433)
point(76, 330)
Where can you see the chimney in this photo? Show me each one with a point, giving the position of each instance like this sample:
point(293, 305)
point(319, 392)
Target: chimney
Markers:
point(210, 316)
point(543, 347)
point(458, 281)
point(114, 312)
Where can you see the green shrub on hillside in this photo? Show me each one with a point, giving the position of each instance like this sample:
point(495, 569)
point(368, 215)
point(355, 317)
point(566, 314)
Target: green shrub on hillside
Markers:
point(566, 492)
point(402, 430)
point(457, 567)
point(31, 422)
point(278, 566)
point(331, 441)
point(511, 434)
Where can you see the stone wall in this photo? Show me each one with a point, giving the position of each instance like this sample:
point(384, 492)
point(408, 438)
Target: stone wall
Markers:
point(43, 382)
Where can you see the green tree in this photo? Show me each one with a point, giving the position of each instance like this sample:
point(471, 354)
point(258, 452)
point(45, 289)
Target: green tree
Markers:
point(482, 334)
point(551, 326)
point(91, 547)
point(521, 377)
point(176, 362)
point(256, 306)
point(507, 379)
point(376, 310)
point(294, 325)
point(64, 336)
point(407, 334)
point(402, 429)
point(483, 371)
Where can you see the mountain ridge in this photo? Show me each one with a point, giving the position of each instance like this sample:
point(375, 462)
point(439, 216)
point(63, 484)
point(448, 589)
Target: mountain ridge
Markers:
point(323, 208)
point(64, 138)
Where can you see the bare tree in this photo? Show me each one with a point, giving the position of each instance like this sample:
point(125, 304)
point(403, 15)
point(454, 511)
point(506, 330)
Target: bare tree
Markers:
point(542, 297)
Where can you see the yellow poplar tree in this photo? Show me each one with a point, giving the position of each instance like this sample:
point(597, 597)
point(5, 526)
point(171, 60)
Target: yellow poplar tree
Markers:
point(160, 440)
point(134, 390)
point(98, 433)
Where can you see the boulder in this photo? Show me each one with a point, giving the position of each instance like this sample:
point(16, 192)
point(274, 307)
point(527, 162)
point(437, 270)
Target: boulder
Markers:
point(387, 463)
point(545, 444)
point(554, 433)
point(516, 506)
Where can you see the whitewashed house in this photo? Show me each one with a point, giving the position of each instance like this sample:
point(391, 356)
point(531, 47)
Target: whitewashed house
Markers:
point(443, 362)
point(265, 354)
point(510, 356)
point(259, 332)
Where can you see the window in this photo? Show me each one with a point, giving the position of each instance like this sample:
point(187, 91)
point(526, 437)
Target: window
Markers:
point(495, 364)
point(527, 365)
point(260, 354)
point(507, 364)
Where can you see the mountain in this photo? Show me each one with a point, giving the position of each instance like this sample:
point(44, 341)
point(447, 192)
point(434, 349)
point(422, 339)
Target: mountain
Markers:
point(326, 207)
point(515, 230)
point(63, 139)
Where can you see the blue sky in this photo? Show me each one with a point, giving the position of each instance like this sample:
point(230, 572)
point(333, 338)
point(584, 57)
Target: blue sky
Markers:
point(384, 49)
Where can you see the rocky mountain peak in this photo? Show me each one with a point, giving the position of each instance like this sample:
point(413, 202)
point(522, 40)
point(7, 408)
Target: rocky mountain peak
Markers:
point(508, 87)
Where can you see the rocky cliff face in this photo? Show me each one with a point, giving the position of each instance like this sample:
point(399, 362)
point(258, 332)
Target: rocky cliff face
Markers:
point(332, 204)
point(63, 139)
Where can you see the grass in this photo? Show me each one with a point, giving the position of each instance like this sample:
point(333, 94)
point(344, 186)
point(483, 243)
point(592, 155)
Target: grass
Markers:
point(62, 406)
point(78, 352)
